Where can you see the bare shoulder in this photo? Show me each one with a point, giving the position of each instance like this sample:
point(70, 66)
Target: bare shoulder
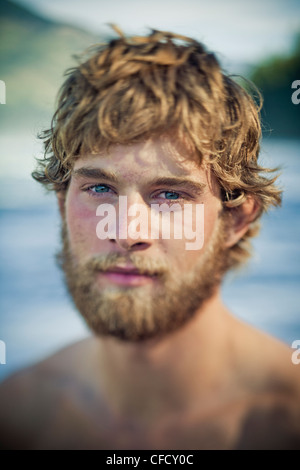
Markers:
point(265, 363)
point(271, 422)
point(29, 398)
point(271, 381)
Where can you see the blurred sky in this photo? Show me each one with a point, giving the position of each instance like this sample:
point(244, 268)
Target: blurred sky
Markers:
point(244, 30)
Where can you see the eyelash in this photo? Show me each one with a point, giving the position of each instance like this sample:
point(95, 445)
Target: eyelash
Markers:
point(182, 196)
point(93, 193)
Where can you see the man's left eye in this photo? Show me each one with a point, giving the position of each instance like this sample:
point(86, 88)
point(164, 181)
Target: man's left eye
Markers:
point(99, 188)
point(171, 195)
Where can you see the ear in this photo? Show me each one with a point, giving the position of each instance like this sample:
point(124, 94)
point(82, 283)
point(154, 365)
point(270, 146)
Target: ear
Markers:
point(61, 198)
point(241, 218)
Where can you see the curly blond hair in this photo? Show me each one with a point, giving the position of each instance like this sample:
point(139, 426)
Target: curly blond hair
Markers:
point(134, 88)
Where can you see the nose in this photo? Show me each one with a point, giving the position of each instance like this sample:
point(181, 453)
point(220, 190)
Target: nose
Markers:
point(133, 217)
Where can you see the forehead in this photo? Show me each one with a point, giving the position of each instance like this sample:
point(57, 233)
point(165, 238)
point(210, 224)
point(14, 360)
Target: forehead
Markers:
point(160, 156)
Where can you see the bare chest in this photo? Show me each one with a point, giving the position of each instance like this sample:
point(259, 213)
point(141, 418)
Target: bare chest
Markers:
point(76, 423)
point(73, 427)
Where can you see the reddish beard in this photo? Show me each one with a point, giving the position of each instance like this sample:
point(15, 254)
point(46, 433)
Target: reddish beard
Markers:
point(144, 312)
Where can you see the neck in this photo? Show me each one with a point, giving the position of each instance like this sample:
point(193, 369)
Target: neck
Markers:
point(170, 374)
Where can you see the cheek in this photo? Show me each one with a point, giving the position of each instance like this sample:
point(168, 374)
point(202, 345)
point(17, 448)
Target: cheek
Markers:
point(211, 216)
point(203, 227)
point(81, 223)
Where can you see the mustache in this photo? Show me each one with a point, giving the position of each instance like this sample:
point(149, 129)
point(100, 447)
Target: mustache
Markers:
point(149, 266)
point(66, 259)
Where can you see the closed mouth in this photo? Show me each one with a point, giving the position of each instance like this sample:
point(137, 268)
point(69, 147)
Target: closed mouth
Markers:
point(129, 271)
point(127, 276)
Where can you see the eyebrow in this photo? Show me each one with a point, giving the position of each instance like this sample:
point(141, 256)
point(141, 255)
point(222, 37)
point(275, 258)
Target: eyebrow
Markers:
point(178, 182)
point(103, 175)
point(95, 173)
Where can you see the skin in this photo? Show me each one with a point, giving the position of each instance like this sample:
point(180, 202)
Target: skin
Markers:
point(214, 383)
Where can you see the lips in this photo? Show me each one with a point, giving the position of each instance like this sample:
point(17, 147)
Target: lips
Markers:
point(124, 270)
point(127, 275)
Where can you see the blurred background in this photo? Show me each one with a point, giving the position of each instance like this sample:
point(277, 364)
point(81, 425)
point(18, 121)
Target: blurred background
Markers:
point(258, 39)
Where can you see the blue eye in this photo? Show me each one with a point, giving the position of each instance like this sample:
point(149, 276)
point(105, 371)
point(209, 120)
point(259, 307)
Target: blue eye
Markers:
point(100, 188)
point(171, 195)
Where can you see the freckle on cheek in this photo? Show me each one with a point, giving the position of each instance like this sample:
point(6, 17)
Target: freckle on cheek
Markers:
point(81, 222)
point(80, 211)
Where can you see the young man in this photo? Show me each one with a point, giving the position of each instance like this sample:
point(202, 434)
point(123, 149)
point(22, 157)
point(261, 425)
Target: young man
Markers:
point(148, 127)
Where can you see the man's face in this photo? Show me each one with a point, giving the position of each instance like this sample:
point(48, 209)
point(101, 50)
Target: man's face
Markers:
point(138, 287)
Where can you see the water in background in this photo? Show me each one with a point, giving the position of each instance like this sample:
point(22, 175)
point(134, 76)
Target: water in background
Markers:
point(37, 318)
